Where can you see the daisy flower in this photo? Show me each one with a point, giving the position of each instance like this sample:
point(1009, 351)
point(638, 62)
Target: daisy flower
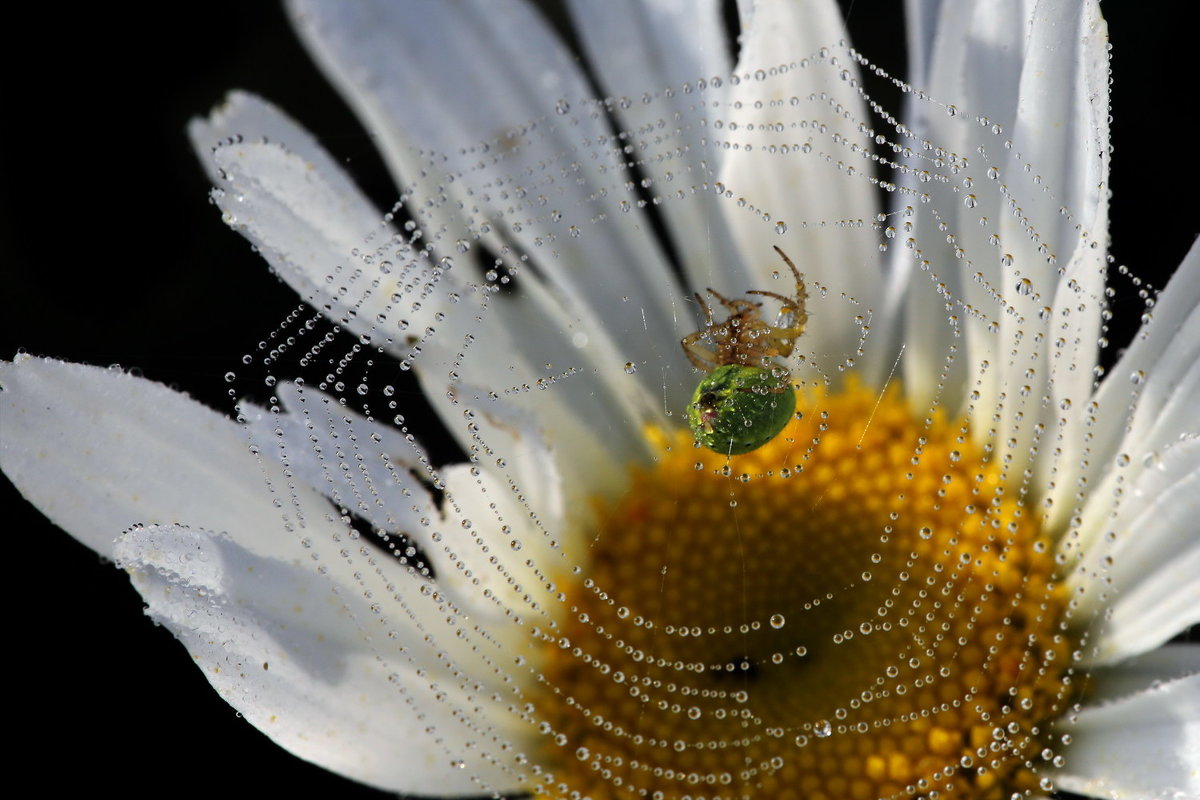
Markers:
point(953, 573)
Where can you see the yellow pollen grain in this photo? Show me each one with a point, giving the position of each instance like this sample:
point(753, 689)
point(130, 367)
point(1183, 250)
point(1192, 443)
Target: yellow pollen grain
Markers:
point(858, 609)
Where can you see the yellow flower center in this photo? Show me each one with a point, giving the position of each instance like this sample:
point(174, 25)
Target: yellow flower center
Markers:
point(859, 609)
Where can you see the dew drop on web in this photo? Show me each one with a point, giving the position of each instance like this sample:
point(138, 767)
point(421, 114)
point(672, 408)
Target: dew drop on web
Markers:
point(452, 332)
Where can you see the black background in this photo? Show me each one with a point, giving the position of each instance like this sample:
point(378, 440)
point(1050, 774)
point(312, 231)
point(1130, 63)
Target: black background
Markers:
point(112, 254)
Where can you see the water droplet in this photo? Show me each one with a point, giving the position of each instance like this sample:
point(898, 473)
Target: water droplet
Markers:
point(630, 368)
point(823, 729)
point(781, 227)
point(777, 621)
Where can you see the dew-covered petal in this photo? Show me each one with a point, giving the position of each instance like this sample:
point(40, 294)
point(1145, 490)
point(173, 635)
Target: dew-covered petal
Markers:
point(492, 549)
point(1012, 217)
point(318, 232)
point(97, 450)
point(639, 46)
point(303, 660)
point(794, 66)
point(321, 236)
point(969, 53)
point(920, 24)
point(663, 92)
point(1063, 130)
point(372, 470)
point(486, 120)
point(1141, 572)
point(1145, 745)
point(282, 191)
point(1145, 402)
point(245, 118)
point(591, 414)
point(496, 522)
point(1141, 672)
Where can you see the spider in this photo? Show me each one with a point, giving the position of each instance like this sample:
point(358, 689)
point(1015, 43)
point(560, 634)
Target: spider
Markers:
point(746, 398)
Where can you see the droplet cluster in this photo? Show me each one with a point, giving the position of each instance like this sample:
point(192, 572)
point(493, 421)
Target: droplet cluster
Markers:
point(873, 617)
point(891, 600)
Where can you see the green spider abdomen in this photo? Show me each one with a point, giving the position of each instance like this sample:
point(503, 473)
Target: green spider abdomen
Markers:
point(736, 408)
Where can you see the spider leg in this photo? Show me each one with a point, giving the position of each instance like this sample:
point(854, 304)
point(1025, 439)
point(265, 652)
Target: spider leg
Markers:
point(788, 302)
point(800, 290)
point(736, 305)
point(708, 314)
point(702, 358)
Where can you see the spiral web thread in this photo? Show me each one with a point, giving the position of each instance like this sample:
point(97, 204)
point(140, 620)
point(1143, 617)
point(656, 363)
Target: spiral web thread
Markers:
point(479, 270)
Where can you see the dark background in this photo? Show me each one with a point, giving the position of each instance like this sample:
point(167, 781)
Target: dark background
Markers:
point(112, 254)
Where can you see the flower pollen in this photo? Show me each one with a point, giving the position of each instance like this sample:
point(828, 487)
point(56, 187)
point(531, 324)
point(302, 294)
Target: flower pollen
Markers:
point(859, 609)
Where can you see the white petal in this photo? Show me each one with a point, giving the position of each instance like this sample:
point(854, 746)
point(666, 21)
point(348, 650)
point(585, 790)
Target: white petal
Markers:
point(320, 235)
point(499, 523)
point(362, 466)
point(653, 45)
point(968, 58)
point(318, 232)
point(466, 94)
point(1139, 673)
point(1143, 403)
point(920, 24)
point(812, 193)
point(1143, 575)
point(1143, 746)
point(1061, 131)
point(1041, 75)
point(283, 192)
point(659, 59)
point(98, 450)
point(245, 118)
point(298, 207)
point(297, 658)
point(586, 405)
point(491, 545)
